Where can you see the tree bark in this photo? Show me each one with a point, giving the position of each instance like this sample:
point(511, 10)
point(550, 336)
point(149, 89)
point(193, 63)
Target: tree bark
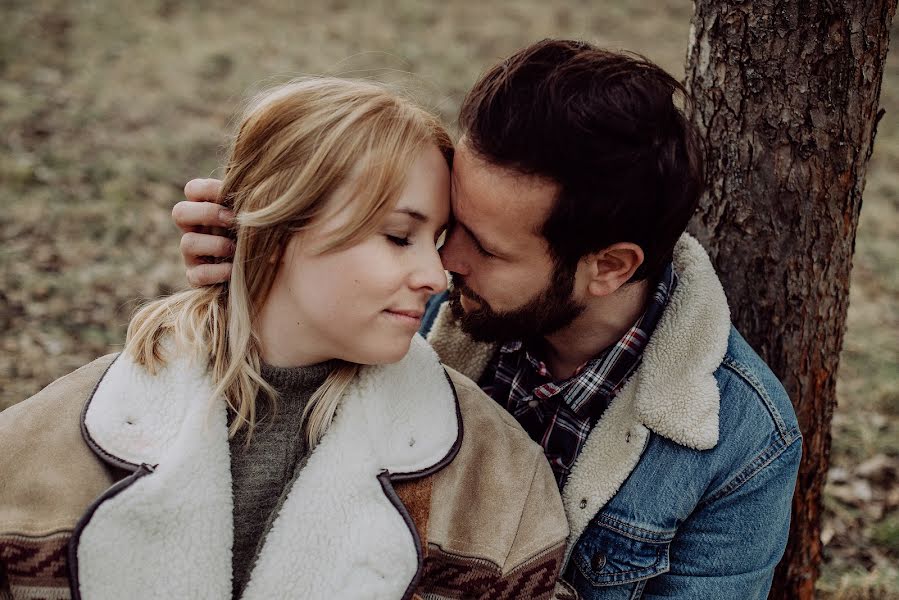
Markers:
point(786, 99)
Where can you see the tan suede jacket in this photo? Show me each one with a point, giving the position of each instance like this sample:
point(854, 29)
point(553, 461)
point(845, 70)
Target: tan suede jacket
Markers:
point(116, 484)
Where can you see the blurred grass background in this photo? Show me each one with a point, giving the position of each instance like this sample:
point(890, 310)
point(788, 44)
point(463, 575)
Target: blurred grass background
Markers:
point(108, 108)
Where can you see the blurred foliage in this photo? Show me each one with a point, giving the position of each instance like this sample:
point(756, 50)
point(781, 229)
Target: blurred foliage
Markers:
point(108, 108)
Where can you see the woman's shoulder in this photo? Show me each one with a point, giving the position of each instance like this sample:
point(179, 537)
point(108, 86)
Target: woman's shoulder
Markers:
point(49, 472)
point(497, 500)
point(63, 398)
point(480, 411)
point(492, 439)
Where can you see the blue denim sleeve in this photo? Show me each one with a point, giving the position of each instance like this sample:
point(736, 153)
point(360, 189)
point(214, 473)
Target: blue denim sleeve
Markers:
point(431, 309)
point(728, 548)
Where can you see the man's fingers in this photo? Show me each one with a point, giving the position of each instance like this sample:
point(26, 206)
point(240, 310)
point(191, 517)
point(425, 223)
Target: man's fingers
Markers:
point(203, 190)
point(188, 215)
point(201, 209)
point(199, 214)
point(208, 274)
point(194, 246)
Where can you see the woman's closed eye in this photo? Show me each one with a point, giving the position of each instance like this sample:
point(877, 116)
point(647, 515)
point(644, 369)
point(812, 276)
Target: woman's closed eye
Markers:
point(399, 240)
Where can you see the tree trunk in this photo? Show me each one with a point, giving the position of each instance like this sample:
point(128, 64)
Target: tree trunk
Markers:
point(786, 99)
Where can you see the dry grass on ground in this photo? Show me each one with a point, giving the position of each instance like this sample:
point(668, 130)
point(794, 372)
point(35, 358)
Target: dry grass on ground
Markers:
point(109, 107)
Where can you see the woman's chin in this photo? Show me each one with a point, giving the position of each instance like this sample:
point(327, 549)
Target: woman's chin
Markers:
point(385, 353)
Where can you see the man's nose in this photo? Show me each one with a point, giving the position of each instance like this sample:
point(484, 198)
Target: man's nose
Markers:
point(452, 256)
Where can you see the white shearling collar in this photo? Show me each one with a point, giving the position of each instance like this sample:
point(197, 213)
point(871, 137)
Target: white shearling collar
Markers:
point(676, 392)
point(340, 533)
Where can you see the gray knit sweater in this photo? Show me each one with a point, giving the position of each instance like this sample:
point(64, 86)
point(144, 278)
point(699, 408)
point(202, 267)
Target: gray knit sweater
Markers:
point(263, 471)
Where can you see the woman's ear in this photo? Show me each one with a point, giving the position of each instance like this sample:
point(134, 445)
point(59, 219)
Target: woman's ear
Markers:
point(612, 267)
point(283, 246)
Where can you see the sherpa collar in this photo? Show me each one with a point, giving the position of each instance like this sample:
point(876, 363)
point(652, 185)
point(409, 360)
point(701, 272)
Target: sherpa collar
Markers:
point(676, 393)
point(167, 531)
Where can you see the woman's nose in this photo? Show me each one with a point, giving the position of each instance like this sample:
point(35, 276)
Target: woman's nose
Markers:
point(431, 274)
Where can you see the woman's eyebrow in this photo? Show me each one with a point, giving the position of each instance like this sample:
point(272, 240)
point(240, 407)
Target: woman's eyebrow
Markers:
point(412, 213)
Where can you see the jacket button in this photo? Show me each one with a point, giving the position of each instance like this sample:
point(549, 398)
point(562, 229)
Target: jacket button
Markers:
point(598, 561)
point(583, 503)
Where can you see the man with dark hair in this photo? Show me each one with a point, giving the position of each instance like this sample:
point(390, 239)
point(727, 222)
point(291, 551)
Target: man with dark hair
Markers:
point(581, 306)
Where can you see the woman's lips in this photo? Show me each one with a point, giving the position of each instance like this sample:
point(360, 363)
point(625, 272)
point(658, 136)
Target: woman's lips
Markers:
point(409, 317)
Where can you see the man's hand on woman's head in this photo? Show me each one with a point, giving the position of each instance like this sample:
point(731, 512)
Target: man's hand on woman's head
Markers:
point(204, 224)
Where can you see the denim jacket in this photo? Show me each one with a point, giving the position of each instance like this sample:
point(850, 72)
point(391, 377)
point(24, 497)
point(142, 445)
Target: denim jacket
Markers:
point(683, 488)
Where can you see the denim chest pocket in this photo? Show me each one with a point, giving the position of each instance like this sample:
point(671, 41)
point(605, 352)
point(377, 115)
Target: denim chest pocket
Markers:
point(611, 553)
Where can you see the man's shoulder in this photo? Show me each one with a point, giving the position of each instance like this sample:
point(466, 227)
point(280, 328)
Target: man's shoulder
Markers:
point(753, 400)
point(758, 434)
point(756, 424)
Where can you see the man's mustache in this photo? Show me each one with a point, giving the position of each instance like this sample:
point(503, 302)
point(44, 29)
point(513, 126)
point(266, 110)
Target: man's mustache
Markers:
point(460, 287)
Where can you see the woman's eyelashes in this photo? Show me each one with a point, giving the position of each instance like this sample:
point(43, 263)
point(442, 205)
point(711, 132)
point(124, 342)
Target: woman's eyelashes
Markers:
point(399, 240)
point(405, 239)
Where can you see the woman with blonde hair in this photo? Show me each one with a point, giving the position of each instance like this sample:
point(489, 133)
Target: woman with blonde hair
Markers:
point(287, 434)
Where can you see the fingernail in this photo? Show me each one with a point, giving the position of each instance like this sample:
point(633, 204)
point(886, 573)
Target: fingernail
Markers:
point(226, 216)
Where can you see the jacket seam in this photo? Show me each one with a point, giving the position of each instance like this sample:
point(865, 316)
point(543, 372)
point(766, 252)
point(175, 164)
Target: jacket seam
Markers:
point(534, 468)
point(464, 542)
point(767, 456)
point(484, 561)
point(752, 381)
point(620, 527)
point(616, 577)
point(7, 534)
point(535, 556)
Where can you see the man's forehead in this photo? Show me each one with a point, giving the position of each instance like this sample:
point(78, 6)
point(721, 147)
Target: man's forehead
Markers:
point(490, 193)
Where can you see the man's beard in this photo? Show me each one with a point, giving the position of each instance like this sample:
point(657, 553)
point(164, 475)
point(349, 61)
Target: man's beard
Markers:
point(550, 310)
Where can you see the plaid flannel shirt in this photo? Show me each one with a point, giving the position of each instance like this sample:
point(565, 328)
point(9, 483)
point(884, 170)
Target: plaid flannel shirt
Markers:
point(559, 415)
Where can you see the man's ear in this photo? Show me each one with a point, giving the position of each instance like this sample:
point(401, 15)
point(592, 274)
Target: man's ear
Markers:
point(612, 267)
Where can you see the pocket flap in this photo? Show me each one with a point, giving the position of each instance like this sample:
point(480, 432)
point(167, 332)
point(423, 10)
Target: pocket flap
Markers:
point(613, 553)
